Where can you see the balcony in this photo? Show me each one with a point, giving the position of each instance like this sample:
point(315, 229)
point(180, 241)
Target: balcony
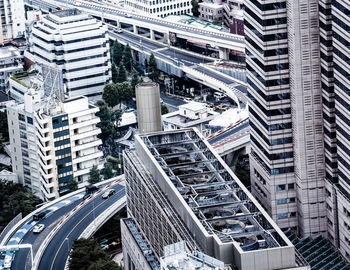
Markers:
point(84, 158)
point(86, 145)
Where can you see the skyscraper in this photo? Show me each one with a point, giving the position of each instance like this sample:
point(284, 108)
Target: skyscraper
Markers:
point(77, 44)
point(298, 76)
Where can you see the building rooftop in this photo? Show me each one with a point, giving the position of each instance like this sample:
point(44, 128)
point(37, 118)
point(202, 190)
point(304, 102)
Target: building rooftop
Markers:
point(217, 198)
point(177, 257)
point(318, 252)
point(9, 51)
point(27, 79)
point(194, 106)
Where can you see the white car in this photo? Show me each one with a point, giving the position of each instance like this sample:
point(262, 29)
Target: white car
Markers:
point(38, 228)
point(7, 261)
point(108, 193)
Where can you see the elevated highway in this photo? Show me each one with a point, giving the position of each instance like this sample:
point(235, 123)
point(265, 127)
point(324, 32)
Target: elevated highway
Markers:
point(181, 62)
point(171, 60)
point(233, 138)
point(223, 40)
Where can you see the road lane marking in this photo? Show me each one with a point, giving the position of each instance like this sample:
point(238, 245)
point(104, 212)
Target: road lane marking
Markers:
point(81, 220)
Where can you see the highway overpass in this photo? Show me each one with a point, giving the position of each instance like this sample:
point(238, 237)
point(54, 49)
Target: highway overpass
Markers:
point(67, 219)
point(180, 62)
point(232, 139)
point(224, 41)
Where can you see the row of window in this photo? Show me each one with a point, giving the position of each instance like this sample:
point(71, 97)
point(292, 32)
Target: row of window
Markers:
point(286, 215)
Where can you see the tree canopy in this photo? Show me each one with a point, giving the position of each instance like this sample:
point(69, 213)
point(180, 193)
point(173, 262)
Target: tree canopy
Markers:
point(121, 77)
point(134, 80)
point(106, 120)
point(107, 171)
point(127, 57)
point(153, 68)
point(114, 73)
point(114, 93)
point(72, 184)
point(94, 175)
point(195, 7)
point(15, 198)
point(116, 52)
point(110, 95)
point(88, 255)
point(164, 109)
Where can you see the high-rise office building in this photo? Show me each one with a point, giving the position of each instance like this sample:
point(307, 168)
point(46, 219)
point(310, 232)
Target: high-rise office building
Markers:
point(53, 142)
point(179, 189)
point(338, 123)
point(12, 23)
point(297, 69)
point(78, 45)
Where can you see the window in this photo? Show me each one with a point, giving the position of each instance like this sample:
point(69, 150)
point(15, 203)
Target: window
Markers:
point(29, 120)
point(21, 117)
point(280, 187)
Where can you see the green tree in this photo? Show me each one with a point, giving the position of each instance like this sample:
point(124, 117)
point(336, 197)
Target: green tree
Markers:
point(134, 80)
point(114, 73)
point(116, 52)
point(107, 171)
point(125, 91)
point(164, 109)
point(111, 95)
point(195, 7)
point(94, 175)
point(85, 253)
point(106, 120)
point(104, 265)
point(72, 184)
point(121, 73)
point(15, 199)
point(127, 57)
point(153, 68)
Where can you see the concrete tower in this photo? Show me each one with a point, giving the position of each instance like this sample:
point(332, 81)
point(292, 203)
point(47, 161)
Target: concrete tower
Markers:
point(148, 107)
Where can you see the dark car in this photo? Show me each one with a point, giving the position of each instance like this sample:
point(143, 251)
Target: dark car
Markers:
point(89, 190)
point(40, 215)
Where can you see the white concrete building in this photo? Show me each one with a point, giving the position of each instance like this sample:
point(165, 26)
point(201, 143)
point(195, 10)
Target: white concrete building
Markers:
point(211, 10)
point(53, 142)
point(160, 8)
point(78, 45)
point(24, 83)
point(192, 114)
point(12, 24)
point(10, 62)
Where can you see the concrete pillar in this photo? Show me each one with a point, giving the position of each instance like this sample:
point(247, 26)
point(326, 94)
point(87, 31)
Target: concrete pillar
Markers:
point(135, 29)
point(151, 34)
point(118, 24)
point(224, 53)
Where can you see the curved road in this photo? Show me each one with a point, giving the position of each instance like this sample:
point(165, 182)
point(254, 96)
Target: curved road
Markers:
point(71, 229)
point(61, 243)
